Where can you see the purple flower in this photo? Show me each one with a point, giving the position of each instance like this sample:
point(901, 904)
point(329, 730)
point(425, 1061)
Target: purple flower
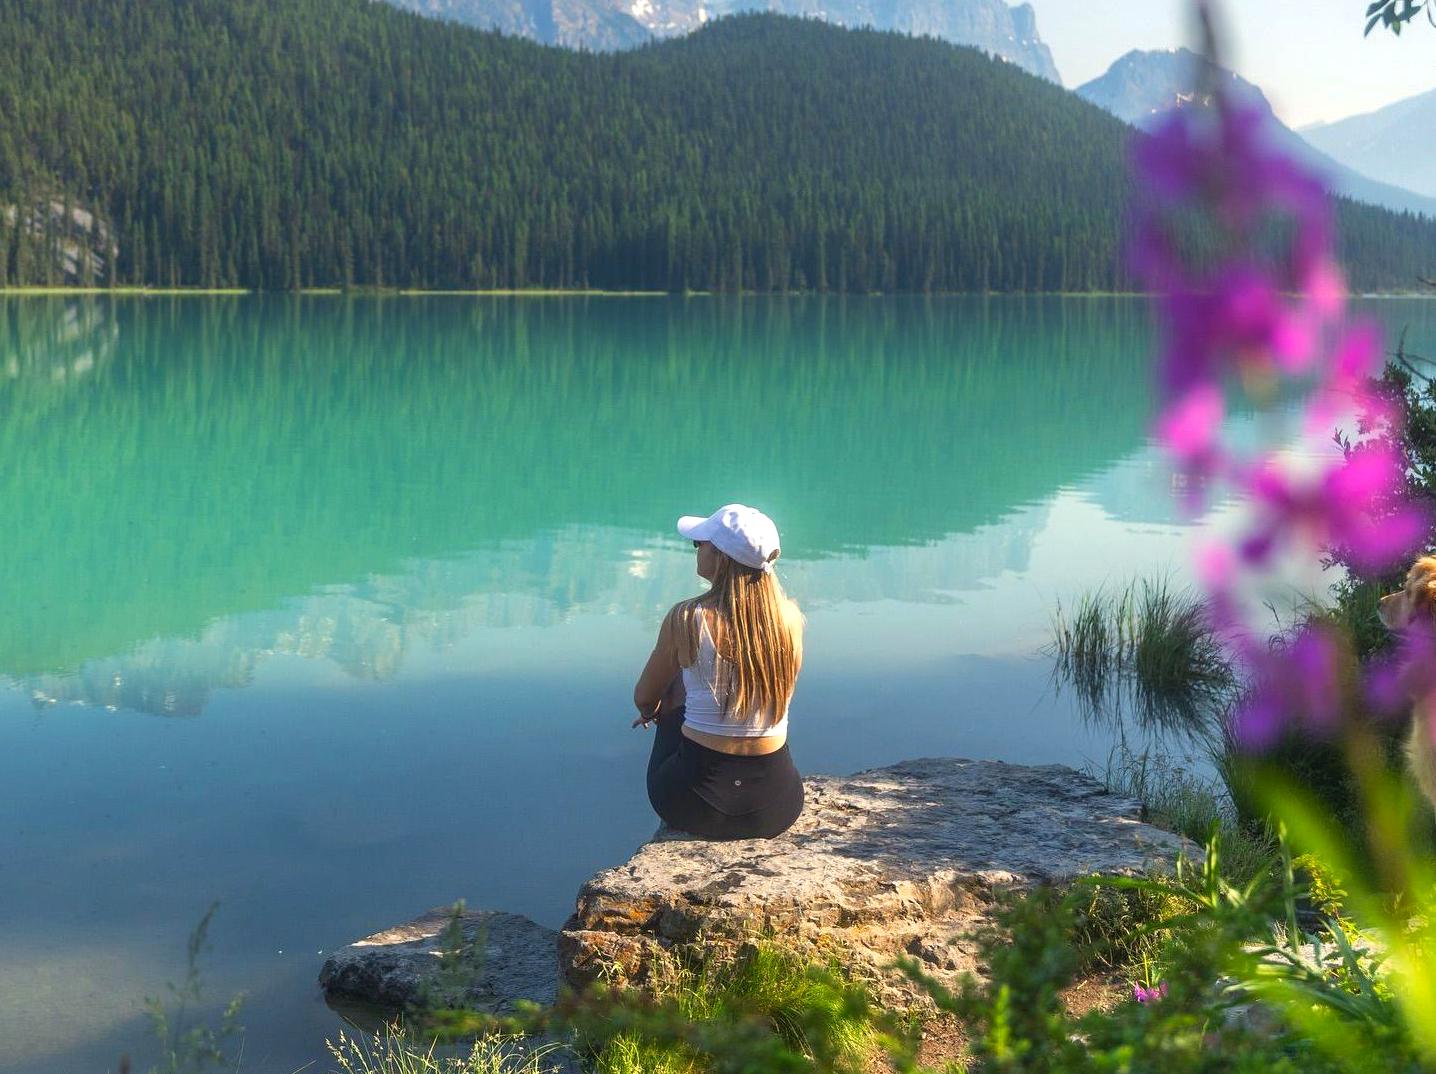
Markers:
point(1353, 504)
point(1223, 157)
point(1242, 315)
point(1232, 314)
point(1240, 324)
point(1408, 674)
point(1296, 685)
point(1189, 427)
point(1149, 995)
point(1346, 388)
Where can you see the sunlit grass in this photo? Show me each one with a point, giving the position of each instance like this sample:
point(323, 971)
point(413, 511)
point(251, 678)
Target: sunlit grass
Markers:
point(807, 1008)
point(396, 1051)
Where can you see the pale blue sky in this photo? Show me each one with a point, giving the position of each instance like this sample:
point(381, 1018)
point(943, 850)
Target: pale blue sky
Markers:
point(1308, 55)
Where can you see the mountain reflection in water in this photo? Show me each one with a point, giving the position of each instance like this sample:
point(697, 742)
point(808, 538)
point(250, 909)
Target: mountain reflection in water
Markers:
point(342, 478)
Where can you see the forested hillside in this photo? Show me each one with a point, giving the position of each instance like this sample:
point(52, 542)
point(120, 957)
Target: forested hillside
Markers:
point(318, 142)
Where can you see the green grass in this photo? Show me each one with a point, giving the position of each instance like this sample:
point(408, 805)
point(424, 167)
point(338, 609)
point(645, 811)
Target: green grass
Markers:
point(396, 1051)
point(1121, 928)
point(1147, 651)
point(627, 1053)
point(811, 1011)
point(1176, 799)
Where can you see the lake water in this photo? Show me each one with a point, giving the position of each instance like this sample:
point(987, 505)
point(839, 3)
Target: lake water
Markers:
point(329, 609)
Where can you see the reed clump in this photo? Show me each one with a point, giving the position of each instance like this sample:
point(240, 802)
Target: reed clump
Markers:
point(1147, 651)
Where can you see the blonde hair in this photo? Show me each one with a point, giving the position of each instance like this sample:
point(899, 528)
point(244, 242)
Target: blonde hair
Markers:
point(759, 641)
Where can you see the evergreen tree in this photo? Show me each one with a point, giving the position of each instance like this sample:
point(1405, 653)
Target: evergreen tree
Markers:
point(341, 142)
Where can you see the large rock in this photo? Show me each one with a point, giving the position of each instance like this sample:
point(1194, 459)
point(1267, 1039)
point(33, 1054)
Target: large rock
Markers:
point(503, 958)
point(905, 859)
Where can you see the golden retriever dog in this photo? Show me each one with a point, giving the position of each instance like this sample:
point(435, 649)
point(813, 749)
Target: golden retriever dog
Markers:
point(1398, 610)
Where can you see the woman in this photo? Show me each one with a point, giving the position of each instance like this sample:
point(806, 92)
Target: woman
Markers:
point(718, 686)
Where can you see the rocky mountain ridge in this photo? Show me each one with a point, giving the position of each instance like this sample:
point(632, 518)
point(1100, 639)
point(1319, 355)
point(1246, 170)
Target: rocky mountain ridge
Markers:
point(1009, 33)
point(1142, 86)
point(1393, 144)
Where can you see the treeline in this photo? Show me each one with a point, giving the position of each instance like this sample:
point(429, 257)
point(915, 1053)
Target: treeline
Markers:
point(342, 142)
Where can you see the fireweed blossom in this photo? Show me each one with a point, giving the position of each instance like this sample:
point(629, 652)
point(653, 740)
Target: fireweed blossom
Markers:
point(1410, 671)
point(1234, 241)
point(1149, 995)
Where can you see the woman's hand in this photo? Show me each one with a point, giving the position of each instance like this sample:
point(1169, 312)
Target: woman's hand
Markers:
point(646, 718)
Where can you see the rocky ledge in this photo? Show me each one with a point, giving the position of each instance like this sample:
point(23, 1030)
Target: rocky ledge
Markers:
point(907, 859)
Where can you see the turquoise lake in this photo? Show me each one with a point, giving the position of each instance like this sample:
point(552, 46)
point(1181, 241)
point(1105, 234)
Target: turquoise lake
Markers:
point(330, 608)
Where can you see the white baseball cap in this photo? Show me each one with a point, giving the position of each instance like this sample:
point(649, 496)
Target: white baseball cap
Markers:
point(744, 533)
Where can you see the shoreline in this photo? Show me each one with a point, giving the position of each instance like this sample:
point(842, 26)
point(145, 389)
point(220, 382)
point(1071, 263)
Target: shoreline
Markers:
point(129, 291)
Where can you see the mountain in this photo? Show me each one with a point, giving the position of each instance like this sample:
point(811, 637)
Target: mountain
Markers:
point(1009, 33)
point(592, 24)
point(343, 142)
point(1393, 144)
point(1141, 86)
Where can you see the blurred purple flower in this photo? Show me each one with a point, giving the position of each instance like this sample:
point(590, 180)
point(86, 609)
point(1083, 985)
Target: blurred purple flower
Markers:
point(1241, 324)
point(1293, 685)
point(1407, 674)
point(1212, 180)
point(1346, 388)
point(1189, 427)
point(1353, 505)
point(1223, 158)
point(1149, 995)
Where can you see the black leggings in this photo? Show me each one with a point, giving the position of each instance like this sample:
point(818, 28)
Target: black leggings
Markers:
point(720, 795)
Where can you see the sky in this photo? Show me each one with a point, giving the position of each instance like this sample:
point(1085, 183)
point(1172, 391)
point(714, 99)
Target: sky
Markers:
point(1308, 55)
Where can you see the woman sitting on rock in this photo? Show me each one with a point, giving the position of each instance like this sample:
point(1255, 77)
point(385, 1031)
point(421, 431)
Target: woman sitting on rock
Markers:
point(718, 686)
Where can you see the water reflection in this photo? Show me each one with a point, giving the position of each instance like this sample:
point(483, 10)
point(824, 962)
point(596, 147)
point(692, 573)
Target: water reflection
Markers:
point(366, 629)
point(178, 508)
point(61, 343)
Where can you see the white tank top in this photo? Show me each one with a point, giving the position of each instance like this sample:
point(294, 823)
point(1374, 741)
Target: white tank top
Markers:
point(702, 709)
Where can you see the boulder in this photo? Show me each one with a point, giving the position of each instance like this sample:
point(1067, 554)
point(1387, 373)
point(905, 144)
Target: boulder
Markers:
point(502, 958)
point(903, 860)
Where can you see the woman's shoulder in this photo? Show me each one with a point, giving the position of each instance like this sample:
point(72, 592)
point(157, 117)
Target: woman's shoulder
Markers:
point(680, 629)
point(686, 611)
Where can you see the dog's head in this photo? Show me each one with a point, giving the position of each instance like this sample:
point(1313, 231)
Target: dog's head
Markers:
point(1417, 597)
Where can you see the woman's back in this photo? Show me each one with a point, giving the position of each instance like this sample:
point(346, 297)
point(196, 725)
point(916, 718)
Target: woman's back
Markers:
point(706, 707)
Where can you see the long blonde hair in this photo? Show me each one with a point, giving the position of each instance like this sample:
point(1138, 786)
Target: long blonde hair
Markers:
point(759, 643)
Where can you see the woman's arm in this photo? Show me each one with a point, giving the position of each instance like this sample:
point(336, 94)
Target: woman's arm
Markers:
point(656, 681)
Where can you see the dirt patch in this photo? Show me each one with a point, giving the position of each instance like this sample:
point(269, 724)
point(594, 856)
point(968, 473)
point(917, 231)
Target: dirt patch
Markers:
point(944, 1041)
